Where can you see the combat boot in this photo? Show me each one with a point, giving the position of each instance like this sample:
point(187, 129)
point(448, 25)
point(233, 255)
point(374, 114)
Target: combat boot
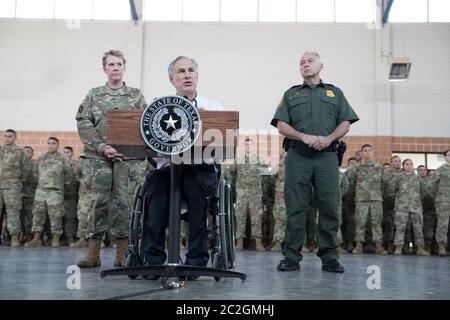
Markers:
point(359, 248)
point(370, 248)
point(276, 247)
point(341, 250)
point(15, 241)
point(121, 252)
point(92, 259)
point(239, 244)
point(442, 252)
point(259, 246)
point(398, 250)
point(422, 252)
point(81, 243)
point(36, 242)
point(379, 248)
point(55, 241)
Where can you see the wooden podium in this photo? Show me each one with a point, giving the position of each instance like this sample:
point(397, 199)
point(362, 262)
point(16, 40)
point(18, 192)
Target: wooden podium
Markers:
point(123, 133)
point(219, 133)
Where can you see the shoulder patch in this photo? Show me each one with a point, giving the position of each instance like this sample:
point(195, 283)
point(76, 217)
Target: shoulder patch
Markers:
point(330, 93)
point(82, 109)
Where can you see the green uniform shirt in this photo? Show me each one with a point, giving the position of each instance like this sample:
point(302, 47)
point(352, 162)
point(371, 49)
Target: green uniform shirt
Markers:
point(314, 111)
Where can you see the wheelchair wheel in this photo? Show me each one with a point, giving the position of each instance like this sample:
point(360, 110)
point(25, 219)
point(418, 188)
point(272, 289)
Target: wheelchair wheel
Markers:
point(223, 233)
point(230, 227)
point(134, 252)
point(215, 260)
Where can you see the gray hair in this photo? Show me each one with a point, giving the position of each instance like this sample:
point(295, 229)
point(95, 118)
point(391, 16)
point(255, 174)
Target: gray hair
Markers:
point(313, 53)
point(170, 68)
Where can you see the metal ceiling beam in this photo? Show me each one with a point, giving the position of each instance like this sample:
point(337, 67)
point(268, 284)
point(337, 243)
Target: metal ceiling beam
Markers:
point(386, 9)
point(134, 14)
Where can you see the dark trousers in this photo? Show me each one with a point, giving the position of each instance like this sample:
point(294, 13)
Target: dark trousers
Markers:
point(322, 171)
point(196, 182)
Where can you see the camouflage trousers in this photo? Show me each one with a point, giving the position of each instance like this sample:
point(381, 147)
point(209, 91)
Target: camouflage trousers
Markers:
point(49, 201)
point(443, 215)
point(70, 218)
point(279, 217)
point(27, 214)
point(362, 210)
point(401, 222)
point(83, 205)
point(111, 187)
point(12, 199)
point(248, 204)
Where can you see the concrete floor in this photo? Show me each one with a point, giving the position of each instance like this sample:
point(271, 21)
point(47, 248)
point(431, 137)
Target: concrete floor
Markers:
point(27, 273)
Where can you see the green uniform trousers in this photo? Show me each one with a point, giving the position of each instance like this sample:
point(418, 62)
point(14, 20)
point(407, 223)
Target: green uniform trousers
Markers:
point(322, 171)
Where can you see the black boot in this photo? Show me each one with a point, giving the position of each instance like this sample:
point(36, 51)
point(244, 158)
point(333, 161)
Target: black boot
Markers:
point(333, 266)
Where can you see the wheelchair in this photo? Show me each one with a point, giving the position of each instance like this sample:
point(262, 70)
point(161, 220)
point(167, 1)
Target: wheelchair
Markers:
point(220, 228)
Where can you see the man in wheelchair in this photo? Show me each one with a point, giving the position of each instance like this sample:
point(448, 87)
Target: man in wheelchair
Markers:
point(196, 182)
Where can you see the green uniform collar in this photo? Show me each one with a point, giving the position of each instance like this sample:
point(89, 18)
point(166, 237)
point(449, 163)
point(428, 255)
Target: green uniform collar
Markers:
point(114, 92)
point(305, 85)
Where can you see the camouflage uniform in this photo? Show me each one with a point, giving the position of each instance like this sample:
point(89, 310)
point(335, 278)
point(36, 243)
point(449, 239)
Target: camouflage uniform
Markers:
point(388, 209)
point(248, 200)
point(28, 192)
point(55, 173)
point(408, 205)
point(366, 179)
point(279, 207)
point(14, 170)
point(441, 183)
point(71, 201)
point(111, 184)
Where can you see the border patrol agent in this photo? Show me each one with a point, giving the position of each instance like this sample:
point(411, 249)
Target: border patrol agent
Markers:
point(312, 116)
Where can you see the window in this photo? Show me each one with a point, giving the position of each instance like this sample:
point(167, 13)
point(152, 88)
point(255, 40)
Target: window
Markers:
point(439, 11)
point(277, 10)
point(201, 10)
point(238, 10)
point(355, 10)
point(315, 10)
point(111, 10)
point(7, 8)
point(35, 9)
point(73, 9)
point(435, 160)
point(162, 10)
point(408, 11)
point(429, 160)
